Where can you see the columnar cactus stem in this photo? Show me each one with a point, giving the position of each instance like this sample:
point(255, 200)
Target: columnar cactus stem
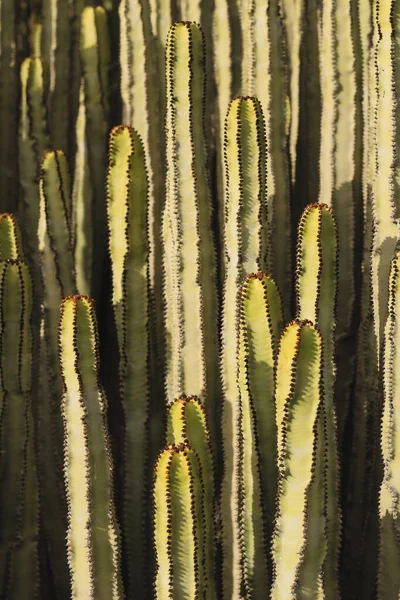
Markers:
point(93, 535)
point(187, 424)
point(33, 141)
point(95, 60)
point(8, 102)
point(10, 238)
point(142, 99)
point(299, 543)
point(264, 76)
point(127, 207)
point(189, 253)
point(389, 509)
point(179, 525)
point(316, 287)
point(82, 204)
point(260, 327)
point(19, 509)
point(55, 50)
point(246, 245)
point(58, 279)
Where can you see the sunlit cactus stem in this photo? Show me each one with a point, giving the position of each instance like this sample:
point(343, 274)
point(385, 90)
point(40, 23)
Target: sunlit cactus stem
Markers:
point(188, 245)
point(93, 533)
point(299, 542)
point(19, 509)
point(316, 290)
point(389, 505)
point(187, 424)
point(246, 248)
point(127, 208)
point(260, 327)
point(95, 60)
point(10, 238)
point(179, 541)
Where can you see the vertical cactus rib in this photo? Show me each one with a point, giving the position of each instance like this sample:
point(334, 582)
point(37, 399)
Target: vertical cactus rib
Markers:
point(316, 287)
point(260, 327)
point(19, 492)
point(95, 60)
point(127, 207)
point(93, 535)
point(10, 238)
point(33, 141)
point(389, 505)
point(8, 102)
point(187, 424)
point(246, 246)
point(189, 253)
point(299, 543)
point(179, 525)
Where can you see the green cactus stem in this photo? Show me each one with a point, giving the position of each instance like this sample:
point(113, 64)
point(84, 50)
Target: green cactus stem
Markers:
point(187, 424)
point(10, 238)
point(179, 525)
point(127, 207)
point(95, 60)
point(33, 141)
point(93, 533)
point(264, 76)
point(246, 245)
point(260, 327)
point(316, 288)
point(8, 101)
point(299, 543)
point(19, 509)
point(389, 505)
point(188, 245)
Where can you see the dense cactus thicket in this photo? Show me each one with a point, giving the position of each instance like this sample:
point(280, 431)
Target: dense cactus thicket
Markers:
point(199, 299)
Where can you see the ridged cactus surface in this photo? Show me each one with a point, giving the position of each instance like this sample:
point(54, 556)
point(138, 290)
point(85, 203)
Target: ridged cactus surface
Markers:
point(222, 178)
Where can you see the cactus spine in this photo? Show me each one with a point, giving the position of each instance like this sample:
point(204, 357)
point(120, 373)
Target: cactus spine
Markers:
point(299, 543)
point(179, 525)
point(187, 424)
point(19, 492)
point(127, 207)
point(189, 275)
point(93, 535)
point(246, 245)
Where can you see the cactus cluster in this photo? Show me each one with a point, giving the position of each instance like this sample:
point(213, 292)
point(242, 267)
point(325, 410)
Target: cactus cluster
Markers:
point(199, 299)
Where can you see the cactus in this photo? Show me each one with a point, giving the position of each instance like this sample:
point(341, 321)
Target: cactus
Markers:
point(127, 209)
point(179, 525)
point(10, 238)
point(95, 60)
point(316, 287)
point(189, 275)
point(260, 326)
point(187, 424)
point(93, 533)
point(246, 246)
point(19, 510)
point(299, 542)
